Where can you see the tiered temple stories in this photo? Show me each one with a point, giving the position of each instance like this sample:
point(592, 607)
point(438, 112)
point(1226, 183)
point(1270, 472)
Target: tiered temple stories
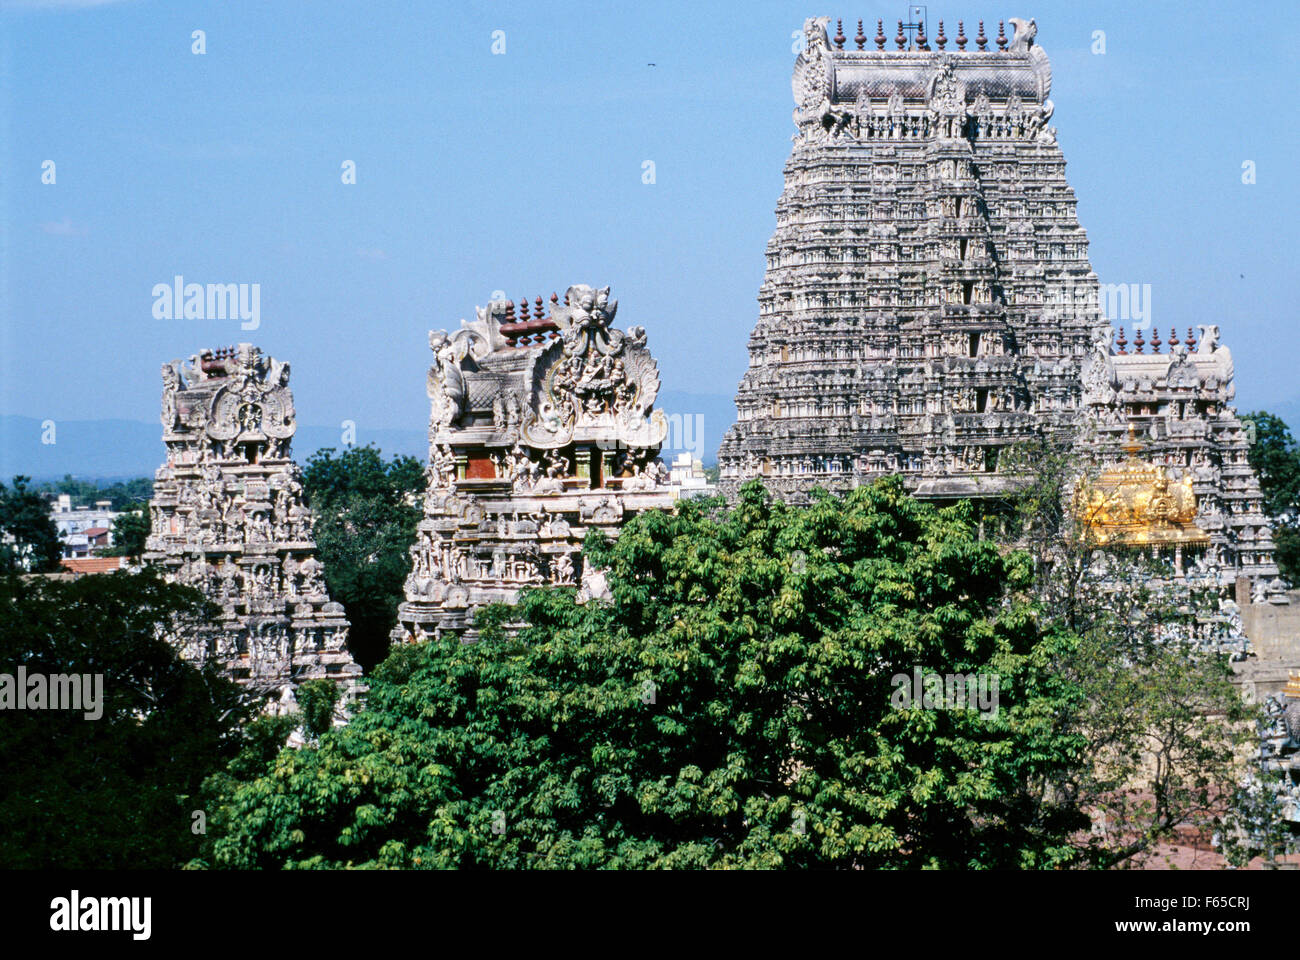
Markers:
point(542, 428)
point(228, 517)
point(1179, 403)
point(928, 299)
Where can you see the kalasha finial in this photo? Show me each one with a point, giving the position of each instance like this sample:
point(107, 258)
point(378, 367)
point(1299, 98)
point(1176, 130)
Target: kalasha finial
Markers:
point(880, 34)
point(982, 41)
point(901, 40)
point(940, 40)
point(555, 298)
point(921, 43)
point(537, 307)
point(1002, 36)
point(1155, 340)
point(1132, 446)
point(510, 311)
point(1191, 339)
point(1122, 342)
point(861, 38)
point(523, 310)
point(961, 35)
point(1138, 341)
point(839, 34)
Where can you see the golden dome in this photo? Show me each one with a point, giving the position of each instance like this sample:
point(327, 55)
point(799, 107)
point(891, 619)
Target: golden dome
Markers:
point(1138, 503)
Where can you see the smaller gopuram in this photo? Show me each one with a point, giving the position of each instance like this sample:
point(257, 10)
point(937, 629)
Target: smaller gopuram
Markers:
point(1180, 401)
point(542, 428)
point(1139, 505)
point(228, 517)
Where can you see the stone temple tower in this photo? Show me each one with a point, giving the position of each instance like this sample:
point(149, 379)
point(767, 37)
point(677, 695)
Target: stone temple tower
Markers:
point(1179, 401)
point(228, 517)
point(928, 298)
point(928, 301)
point(542, 427)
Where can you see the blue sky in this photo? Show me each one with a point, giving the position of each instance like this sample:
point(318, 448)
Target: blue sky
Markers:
point(522, 172)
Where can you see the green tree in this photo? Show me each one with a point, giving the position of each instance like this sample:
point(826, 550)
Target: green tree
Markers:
point(366, 513)
point(316, 700)
point(1275, 455)
point(1163, 723)
point(29, 540)
point(130, 530)
point(734, 704)
point(121, 493)
point(115, 791)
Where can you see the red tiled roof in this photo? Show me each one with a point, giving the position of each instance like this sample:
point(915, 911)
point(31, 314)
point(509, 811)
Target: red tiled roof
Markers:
point(93, 564)
point(95, 531)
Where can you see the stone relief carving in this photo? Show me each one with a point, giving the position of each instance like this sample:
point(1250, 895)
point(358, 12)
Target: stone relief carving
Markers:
point(228, 517)
point(594, 374)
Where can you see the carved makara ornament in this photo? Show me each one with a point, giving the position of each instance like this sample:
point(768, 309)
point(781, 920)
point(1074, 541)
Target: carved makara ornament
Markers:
point(811, 83)
point(540, 426)
point(253, 405)
point(594, 375)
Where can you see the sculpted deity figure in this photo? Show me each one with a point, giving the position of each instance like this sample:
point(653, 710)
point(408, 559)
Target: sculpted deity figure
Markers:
point(446, 382)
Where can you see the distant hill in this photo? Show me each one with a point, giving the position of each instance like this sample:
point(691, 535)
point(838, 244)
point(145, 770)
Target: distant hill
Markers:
point(121, 449)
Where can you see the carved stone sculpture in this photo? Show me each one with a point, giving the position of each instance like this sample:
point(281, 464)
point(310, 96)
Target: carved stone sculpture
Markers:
point(929, 301)
point(541, 427)
point(228, 517)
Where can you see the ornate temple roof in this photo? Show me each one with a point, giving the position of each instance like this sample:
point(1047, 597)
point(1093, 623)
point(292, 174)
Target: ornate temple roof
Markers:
point(1017, 68)
point(921, 309)
point(545, 381)
point(541, 429)
point(228, 516)
point(1137, 503)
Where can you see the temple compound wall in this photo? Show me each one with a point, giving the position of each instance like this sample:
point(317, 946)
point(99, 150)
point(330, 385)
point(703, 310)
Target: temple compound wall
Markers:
point(542, 427)
point(228, 517)
point(928, 299)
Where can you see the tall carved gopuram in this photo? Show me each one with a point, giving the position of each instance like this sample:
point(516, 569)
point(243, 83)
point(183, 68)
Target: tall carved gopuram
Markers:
point(928, 297)
point(542, 427)
point(228, 517)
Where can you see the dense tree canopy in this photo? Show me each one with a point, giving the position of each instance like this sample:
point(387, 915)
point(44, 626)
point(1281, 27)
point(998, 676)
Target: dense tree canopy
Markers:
point(121, 493)
point(1275, 455)
point(1276, 459)
point(29, 540)
point(117, 790)
point(734, 704)
point(366, 512)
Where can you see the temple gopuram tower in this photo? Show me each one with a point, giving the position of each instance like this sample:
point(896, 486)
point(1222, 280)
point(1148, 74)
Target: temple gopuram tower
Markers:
point(928, 298)
point(542, 428)
point(1178, 402)
point(228, 517)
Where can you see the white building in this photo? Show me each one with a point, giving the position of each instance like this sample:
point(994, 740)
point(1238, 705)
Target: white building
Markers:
point(687, 474)
point(83, 529)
